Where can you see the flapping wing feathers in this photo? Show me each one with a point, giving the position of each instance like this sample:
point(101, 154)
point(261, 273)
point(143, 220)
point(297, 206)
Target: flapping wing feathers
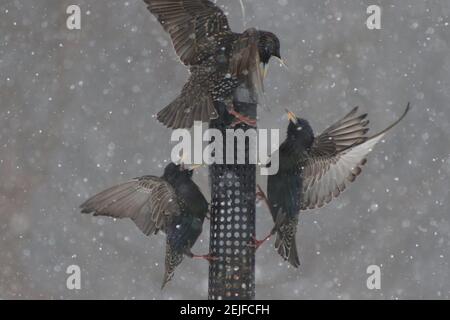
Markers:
point(149, 201)
point(193, 104)
point(190, 23)
point(182, 113)
point(337, 157)
point(246, 62)
point(326, 177)
point(346, 132)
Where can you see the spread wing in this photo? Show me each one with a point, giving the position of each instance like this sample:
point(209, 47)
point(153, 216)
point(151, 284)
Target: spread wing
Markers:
point(336, 158)
point(149, 201)
point(190, 23)
point(246, 62)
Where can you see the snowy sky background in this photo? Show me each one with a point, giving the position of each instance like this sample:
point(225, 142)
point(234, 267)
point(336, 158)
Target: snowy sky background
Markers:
point(76, 116)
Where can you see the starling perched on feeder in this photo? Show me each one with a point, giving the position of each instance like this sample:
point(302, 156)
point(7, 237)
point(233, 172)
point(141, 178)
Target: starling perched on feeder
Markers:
point(172, 203)
point(313, 171)
point(219, 60)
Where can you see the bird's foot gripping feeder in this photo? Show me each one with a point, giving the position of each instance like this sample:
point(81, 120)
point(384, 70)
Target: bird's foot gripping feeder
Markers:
point(233, 192)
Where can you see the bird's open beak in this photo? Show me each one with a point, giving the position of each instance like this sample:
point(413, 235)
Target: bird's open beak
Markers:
point(281, 61)
point(182, 161)
point(291, 116)
point(195, 166)
point(266, 68)
point(263, 70)
point(184, 167)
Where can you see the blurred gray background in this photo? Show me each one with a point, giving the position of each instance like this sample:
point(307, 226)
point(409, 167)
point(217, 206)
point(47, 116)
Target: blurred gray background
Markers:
point(77, 115)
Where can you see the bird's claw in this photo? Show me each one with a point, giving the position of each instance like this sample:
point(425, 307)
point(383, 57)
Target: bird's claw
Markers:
point(244, 119)
point(240, 118)
point(208, 257)
point(255, 243)
point(260, 195)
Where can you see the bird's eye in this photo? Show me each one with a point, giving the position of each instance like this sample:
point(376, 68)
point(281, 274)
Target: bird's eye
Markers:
point(299, 128)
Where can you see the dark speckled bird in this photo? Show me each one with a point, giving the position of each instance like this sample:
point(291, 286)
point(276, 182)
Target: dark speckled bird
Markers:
point(219, 60)
point(313, 170)
point(172, 203)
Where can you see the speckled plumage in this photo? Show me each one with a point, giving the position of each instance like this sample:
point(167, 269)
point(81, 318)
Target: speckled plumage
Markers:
point(314, 170)
point(172, 203)
point(219, 60)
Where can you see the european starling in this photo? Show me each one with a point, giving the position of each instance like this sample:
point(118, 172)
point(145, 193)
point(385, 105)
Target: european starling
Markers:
point(313, 171)
point(172, 203)
point(219, 60)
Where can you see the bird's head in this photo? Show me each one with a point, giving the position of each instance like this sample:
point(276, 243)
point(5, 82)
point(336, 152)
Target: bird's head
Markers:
point(269, 46)
point(299, 131)
point(176, 171)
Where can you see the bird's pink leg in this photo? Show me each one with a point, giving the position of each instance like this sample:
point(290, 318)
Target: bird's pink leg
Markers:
point(240, 118)
point(207, 257)
point(255, 243)
point(260, 195)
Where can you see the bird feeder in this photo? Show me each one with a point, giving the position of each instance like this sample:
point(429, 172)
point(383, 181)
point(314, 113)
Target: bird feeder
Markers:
point(233, 192)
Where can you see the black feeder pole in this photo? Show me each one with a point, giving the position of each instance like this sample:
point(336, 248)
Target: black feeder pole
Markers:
point(233, 192)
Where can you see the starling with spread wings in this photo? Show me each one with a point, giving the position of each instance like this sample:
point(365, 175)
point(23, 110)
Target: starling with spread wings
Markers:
point(218, 59)
point(313, 170)
point(172, 204)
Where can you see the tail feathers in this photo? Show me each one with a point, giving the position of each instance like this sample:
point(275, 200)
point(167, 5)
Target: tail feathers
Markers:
point(285, 243)
point(167, 277)
point(287, 248)
point(173, 260)
point(186, 109)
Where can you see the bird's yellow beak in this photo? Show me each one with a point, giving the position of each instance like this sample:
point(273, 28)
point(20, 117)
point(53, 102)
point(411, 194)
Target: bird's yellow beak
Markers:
point(291, 116)
point(281, 61)
point(195, 166)
point(263, 70)
point(182, 161)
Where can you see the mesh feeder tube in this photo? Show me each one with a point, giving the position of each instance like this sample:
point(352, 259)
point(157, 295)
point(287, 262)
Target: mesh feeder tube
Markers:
point(232, 225)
